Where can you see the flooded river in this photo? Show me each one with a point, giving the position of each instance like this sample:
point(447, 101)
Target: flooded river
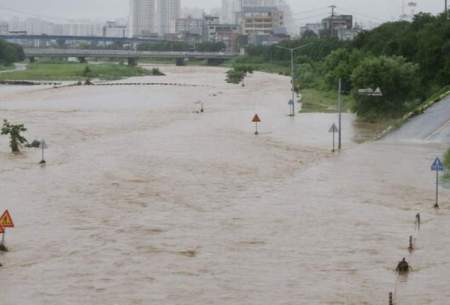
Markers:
point(144, 201)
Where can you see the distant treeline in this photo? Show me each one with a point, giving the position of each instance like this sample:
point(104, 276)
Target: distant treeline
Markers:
point(10, 53)
point(408, 61)
point(183, 46)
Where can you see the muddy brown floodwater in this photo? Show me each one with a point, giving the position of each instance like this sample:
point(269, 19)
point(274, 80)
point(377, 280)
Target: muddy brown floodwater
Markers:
point(144, 201)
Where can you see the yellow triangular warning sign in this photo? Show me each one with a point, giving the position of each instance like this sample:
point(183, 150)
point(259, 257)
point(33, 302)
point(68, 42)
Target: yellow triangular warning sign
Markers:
point(6, 220)
point(256, 119)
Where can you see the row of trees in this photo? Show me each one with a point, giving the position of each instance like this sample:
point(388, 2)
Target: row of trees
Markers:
point(409, 61)
point(183, 46)
point(10, 53)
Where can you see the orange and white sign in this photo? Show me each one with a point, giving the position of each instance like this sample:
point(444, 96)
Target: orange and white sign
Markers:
point(6, 220)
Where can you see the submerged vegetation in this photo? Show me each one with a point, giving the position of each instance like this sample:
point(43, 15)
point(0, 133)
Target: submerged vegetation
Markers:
point(15, 135)
point(238, 73)
point(156, 72)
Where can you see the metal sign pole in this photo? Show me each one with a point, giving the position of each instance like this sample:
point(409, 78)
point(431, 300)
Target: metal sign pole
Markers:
point(437, 167)
point(334, 133)
point(340, 114)
point(437, 190)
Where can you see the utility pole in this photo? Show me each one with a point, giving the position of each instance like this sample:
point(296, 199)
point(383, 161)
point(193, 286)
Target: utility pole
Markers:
point(293, 82)
point(333, 8)
point(340, 114)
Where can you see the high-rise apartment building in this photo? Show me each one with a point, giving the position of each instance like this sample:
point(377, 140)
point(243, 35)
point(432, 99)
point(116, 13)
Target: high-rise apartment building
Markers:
point(142, 18)
point(168, 13)
point(230, 9)
point(281, 5)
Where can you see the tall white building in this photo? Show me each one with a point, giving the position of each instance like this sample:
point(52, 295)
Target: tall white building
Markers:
point(168, 13)
point(142, 18)
point(230, 9)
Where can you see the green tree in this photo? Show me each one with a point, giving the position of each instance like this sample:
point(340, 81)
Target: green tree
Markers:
point(14, 131)
point(238, 73)
point(211, 46)
point(340, 65)
point(10, 53)
point(398, 80)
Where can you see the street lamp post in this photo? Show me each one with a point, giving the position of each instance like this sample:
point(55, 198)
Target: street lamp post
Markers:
point(292, 50)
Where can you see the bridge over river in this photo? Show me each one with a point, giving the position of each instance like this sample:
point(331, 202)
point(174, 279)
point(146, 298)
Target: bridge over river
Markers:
point(131, 55)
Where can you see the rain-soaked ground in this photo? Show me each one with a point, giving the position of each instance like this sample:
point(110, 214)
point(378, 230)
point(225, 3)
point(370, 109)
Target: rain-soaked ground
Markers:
point(144, 201)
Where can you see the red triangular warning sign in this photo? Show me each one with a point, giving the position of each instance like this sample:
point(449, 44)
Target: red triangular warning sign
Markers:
point(256, 119)
point(6, 220)
point(2, 230)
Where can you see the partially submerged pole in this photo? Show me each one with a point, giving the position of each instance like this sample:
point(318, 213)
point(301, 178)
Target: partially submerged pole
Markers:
point(340, 115)
point(436, 206)
point(411, 244)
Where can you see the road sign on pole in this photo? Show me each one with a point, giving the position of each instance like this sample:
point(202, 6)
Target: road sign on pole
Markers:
point(333, 130)
point(437, 167)
point(6, 220)
point(371, 92)
point(256, 120)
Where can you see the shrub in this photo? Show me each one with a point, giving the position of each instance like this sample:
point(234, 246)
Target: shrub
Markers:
point(16, 139)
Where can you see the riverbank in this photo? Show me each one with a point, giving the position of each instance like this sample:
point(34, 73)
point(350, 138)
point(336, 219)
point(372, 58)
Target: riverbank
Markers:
point(447, 164)
point(6, 68)
point(74, 71)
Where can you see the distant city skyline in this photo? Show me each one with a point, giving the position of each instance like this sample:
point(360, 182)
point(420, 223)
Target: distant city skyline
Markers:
point(304, 10)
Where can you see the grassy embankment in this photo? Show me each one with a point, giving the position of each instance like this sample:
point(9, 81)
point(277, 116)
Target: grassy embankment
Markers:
point(323, 101)
point(4, 68)
point(447, 164)
point(74, 71)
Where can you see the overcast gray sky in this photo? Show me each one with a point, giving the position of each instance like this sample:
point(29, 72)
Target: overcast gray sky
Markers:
point(304, 10)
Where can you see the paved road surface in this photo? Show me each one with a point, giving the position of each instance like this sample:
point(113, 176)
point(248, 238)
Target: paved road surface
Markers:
point(432, 126)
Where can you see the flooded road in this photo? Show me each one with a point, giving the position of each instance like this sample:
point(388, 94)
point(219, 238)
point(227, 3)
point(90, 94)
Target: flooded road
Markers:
point(144, 201)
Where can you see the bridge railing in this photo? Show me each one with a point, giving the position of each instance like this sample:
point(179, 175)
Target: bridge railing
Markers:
point(37, 52)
